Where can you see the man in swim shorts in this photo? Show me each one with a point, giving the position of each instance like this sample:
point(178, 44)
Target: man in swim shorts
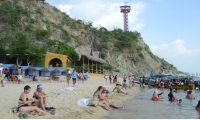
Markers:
point(19, 71)
point(120, 89)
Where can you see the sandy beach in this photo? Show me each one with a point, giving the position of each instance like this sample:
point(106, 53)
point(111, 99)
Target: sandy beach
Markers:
point(65, 103)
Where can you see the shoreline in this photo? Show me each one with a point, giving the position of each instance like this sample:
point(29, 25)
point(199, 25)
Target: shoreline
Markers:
point(66, 102)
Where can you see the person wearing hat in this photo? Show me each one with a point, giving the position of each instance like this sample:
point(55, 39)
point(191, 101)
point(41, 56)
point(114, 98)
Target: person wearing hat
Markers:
point(41, 96)
point(1, 74)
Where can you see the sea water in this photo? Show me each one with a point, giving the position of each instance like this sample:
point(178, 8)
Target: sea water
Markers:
point(140, 106)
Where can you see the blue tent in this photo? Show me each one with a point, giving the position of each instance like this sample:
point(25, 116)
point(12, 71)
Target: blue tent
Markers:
point(34, 71)
point(38, 68)
point(61, 69)
point(7, 65)
point(13, 70)
point(24, 67)
point(46, 72)
point(51, 69)
point(57, 71)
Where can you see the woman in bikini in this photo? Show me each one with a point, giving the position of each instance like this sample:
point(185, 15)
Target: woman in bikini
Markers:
point(27, 105)
point(105, 98)
point(41, 96)
point(97, 96)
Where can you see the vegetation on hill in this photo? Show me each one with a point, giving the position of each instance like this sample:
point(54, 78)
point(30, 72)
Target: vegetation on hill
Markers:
point(19, 38)
point(29, 28)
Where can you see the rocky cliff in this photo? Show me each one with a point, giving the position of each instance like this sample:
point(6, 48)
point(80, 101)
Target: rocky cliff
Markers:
point(38, 15)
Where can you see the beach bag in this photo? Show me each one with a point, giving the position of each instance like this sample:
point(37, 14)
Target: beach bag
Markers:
point(82, 102)
point(159, 85)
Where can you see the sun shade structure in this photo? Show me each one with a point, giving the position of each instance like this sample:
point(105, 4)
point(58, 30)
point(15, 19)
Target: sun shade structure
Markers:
point(24, 67)
point(46, 72)
point(88, 56)
point(88, 52)
point(58, 71)
point(34, 71)
point(7, 65)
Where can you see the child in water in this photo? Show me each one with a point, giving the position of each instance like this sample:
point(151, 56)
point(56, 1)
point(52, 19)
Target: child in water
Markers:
point(175, 90)
point(179, 102)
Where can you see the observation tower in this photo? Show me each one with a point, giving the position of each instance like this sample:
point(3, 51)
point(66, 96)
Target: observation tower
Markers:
point(125, 10)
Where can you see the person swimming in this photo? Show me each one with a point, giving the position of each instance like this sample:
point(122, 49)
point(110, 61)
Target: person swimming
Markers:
point(157, 95)
point(175, 90)
point(171, 96)
point(198, 106)
point(179, 102)
point(189, 94)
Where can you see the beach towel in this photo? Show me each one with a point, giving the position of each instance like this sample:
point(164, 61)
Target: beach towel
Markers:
point(67, 89)
point(83, 102)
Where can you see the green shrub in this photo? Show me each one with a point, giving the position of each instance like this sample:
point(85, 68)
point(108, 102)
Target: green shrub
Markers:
point(39, 33)
point(108, 67)
point(117, 70)
point(141, 55)
point(33, 21)
point(103, 55)
point(39, 11)
point(139, 49)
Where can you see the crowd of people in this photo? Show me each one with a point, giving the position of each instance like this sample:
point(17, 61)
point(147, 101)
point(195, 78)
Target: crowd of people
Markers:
point(4, 73)
point(38, 103)
point(157, 95)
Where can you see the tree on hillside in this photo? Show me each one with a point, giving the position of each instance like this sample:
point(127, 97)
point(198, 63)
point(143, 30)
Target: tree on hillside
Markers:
point(65, 49)
point(23, 48)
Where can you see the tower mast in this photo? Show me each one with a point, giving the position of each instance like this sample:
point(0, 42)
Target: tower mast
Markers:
point(125, 10)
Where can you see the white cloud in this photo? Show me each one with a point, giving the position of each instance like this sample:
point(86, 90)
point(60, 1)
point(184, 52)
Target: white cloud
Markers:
point(105, 14)
point(174, 49)
point(65, 8)
point(177, 54)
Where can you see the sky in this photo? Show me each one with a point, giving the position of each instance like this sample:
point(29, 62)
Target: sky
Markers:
point(171, 28)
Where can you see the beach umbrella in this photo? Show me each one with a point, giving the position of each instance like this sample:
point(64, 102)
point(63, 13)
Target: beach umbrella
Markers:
point(44, 70)
point(14, 67)
point(58, 70)
point(7, 65)
point(31, 69)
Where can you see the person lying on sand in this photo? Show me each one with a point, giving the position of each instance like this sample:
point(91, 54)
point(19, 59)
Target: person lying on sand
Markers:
point(97, 96)
point(105, 98)
point(26, 105)
point(120, 89)
point(41, 96)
